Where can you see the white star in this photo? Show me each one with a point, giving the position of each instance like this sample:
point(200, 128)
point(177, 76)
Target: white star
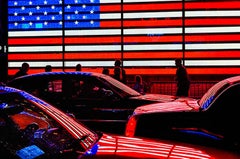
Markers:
point(53, 7)
point(60, 2)
point(76, 22)
point(15, 13)
point(53, 18)
point(15, 23)
point(23, 18)
point(38, 18)
point(30, 23)
point(76, 12)
point(60, 12)
point(30, 2)
point(76, 1)
point(30, 13)
point(91, 11)
point(91, 22)
point(84, 16)
point(38, 7)
point(91, 1)
point(45, 13)
point(23, 8)
point(45, 2)
point(60, 23)
point(68, 7)
point(45, 23)
point(83, 6)
point(68, 17)
point(15, 3)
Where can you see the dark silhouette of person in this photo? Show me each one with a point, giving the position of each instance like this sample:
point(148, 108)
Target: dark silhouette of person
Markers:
point(119, 73)
point(139, 86)
point(105, 71)
point(182, 79)
point(23, 70)
point(79, 67)
point(48, 68)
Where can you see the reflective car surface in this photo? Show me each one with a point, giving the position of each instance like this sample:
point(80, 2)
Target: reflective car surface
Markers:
point(97, 100)
point(33, 129)
point(213, 119)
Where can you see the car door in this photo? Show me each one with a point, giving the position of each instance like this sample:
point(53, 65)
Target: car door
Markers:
point(226, 114)
point(93, 102)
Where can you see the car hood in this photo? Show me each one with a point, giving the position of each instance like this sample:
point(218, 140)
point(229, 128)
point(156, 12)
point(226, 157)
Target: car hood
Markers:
point(179, 105)
point(125, 147)
point(155, 97)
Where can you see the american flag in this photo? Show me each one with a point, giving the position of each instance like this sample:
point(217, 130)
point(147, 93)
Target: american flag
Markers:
point(147, 34)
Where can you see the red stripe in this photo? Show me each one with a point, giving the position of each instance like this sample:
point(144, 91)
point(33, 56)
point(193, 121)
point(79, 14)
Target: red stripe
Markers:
point(150, 71)
point(34, 41)
point(212, 21)
point(153, 22)
point(152, 6)
point(212, 5)
point(213, 38)
point(153, 39)
point(35, 56)
point(140, 7)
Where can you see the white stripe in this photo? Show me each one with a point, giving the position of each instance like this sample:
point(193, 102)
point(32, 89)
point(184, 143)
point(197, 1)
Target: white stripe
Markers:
point(34, 33)
point(155, 31)
point(212, 46)
point(36, 64)
point(126, 47)
point(153, 47)
point(93, 47)
point(90, 63)
point(34, 48)
point(110, 16)
point(176, 14)
point(93, 32)
point(213, 13)
point(148, 31)
point(212, 62)
point(212, 29)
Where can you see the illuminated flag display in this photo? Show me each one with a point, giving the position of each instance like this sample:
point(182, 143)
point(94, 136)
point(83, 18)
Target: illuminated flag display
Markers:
point(147, 34)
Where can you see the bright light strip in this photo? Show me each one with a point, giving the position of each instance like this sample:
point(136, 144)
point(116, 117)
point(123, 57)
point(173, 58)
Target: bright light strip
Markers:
point(212, 46)
point(153, 47)
point(212, 62)
point(93, 47)
point(212, 29)
point(35, 49)
point(93, 32)
point(212, 13)
point(157, 31)
point(177, 14)
point(37, 64)
point(34, 33)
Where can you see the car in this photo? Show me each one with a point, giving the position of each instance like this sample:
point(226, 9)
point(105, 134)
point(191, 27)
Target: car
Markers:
point(212, 119)
point(34, 129)
point(99, 101)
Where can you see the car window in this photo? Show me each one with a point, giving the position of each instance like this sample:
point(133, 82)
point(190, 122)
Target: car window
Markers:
point(228, 101)
point(85, 88)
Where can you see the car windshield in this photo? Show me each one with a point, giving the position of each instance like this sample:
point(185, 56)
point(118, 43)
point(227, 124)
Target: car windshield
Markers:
point(211, 94)
point(123, 89)
point(36, 125)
